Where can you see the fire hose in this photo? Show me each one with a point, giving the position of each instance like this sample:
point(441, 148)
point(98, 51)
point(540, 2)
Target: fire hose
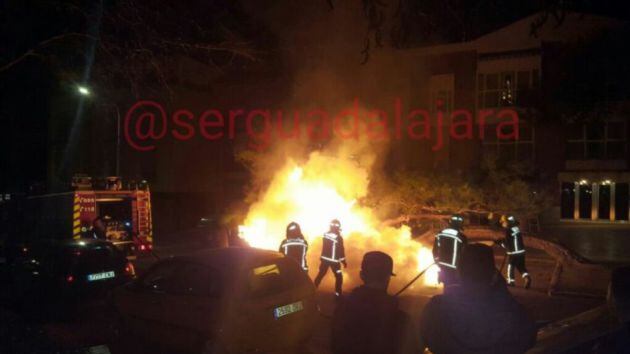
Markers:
point(414, 279)
point(400, 291)
point(503, 264)
point(432, 264)
point(504, 257)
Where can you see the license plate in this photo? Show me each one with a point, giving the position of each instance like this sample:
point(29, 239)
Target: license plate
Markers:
point(288, 309)
point(101, 276)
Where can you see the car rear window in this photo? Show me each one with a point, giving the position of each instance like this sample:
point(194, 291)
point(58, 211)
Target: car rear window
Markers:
point(275, 277)
point(88, 258)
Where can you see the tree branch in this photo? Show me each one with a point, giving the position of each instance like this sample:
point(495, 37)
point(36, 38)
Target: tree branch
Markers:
point(243, 52)
point(40, 45)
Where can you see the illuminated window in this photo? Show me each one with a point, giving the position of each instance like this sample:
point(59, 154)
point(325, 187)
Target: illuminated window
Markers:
point(600, 201)
point(603, 209)
point(506, 88)
point(585, 200)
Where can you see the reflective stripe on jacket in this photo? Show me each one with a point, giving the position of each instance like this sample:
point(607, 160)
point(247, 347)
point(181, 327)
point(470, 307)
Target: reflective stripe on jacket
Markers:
point(332, 248)
point(514, 241)
point(296, 249)
point(448, 246)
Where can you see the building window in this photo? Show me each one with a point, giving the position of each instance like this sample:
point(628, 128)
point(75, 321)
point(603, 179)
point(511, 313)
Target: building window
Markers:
point(502, 89)
point(585, 200)
point(517, 150)
point(604, 201)
point(622, 194)
point(596, 140)
point(567, 200)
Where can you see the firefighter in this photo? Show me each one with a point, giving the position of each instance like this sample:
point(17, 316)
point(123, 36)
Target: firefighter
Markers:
point(515, 249)
point(294, 245)
point(447, 248)
point(333, 254)
point(99, 229)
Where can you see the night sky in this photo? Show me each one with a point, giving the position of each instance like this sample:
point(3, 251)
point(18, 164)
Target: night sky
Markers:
point(50, 46)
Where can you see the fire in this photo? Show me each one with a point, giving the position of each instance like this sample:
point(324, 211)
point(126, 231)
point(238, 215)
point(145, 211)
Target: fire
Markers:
point(326, 188)
point(425, 261)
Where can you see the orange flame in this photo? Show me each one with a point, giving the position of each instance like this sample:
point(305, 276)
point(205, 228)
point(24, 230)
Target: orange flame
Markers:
point(326, 188)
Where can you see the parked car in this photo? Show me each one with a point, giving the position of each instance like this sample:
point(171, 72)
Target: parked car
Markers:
point(227, 300)
point(66, 272)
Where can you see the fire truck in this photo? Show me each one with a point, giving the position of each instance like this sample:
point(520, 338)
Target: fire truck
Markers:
point(94, 208)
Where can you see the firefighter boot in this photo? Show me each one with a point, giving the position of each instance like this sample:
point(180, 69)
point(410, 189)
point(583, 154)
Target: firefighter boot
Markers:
point(528, 281)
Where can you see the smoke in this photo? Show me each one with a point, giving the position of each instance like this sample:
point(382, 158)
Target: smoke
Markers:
point(312, 181)
point(320, 50)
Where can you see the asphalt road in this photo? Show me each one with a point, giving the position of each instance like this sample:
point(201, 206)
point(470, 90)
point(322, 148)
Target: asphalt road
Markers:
point(602, 243)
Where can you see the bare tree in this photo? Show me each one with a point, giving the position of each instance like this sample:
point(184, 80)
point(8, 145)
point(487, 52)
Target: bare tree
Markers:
point(135, 43)
point(491, 189)
point(419, 22)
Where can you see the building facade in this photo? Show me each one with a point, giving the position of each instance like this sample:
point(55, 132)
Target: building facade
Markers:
point(584, 160)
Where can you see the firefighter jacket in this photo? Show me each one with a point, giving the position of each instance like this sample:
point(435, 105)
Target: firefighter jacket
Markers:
point(513, 242)
point(332, 248)
point(448, 246)
point(295, 248)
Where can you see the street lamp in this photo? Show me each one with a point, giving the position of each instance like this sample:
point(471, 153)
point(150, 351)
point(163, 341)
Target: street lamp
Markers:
point(83, 90)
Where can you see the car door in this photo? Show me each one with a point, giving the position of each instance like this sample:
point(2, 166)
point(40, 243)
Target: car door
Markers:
point(196, 307)
point(143, 303)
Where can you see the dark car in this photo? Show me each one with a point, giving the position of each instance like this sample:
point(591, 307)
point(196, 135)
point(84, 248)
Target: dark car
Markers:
point(227, 300)
point(66, 271)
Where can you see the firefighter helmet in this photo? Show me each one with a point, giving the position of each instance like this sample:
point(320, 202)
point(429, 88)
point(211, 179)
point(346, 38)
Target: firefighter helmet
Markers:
point(456, 221)
point(294, 231)
point(335, 226)
point(511, 221)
